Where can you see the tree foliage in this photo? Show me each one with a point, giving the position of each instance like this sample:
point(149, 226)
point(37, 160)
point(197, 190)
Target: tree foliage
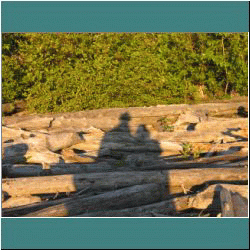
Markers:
point(58, 72)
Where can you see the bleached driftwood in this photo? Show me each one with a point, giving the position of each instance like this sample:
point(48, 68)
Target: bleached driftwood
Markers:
point(176, 180)
point(127, 197)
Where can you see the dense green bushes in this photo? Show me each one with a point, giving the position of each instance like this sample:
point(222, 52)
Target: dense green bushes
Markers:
point(69, 72)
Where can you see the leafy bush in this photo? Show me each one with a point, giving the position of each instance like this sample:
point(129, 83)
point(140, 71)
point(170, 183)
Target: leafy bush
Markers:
point(58, 72)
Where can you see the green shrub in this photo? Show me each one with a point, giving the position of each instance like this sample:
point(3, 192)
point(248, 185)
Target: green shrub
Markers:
point(58, 72)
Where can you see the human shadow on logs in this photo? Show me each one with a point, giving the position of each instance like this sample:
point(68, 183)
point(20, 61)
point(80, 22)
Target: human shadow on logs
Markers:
point(131, 153)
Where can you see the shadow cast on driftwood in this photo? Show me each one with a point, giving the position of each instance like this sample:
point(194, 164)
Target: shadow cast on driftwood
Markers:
point(132, 187)
point(14, 154)
point(237, 137)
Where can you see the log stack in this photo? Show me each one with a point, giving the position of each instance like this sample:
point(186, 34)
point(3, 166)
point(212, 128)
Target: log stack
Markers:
point(165, 161)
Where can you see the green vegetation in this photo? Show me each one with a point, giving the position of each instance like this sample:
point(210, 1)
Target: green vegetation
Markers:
point(165, 124)
point(58, 72)
point(188, 151)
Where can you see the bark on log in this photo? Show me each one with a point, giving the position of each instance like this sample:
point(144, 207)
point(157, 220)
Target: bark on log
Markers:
point(127, 197)
point(176, 180)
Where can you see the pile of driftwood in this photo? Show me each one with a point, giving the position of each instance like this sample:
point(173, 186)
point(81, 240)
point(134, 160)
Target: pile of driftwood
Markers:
point(165, 161)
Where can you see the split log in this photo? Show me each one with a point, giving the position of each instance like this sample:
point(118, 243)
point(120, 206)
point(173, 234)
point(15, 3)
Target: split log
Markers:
point(127, 197)
point(20, 201)
point(176, 180)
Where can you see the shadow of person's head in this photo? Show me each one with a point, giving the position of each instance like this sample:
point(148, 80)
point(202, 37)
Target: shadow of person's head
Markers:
point(125, 117)
point(142, 133)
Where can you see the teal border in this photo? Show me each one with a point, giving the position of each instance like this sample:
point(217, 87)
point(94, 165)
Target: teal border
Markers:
point(125, 233)
point(122, 16)
point(121, 233)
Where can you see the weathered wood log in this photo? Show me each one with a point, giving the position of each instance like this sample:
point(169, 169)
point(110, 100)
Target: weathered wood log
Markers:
point(240, 205)
point(172, 207)
point(25, 209)
point(73, 183)
point(176, 180)
point(127, 197)
point(57, 141)
point(108, 118)
point(238, 159)
point(120, 213)
point(201, 200)
point(25, 170)
point(209, 198)
point(29, 122)
point(233, 204)
point(20, 201)
point(226, 203)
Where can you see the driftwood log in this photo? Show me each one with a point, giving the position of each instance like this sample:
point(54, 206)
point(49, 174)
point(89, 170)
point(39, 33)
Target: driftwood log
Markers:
point(172, 207)
point(20, 201)
point(138, 163)
point(108, 118)
point(201, 200)
point(127, 197)
point(119, 167)
point(175, 180)
point(233, 204)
